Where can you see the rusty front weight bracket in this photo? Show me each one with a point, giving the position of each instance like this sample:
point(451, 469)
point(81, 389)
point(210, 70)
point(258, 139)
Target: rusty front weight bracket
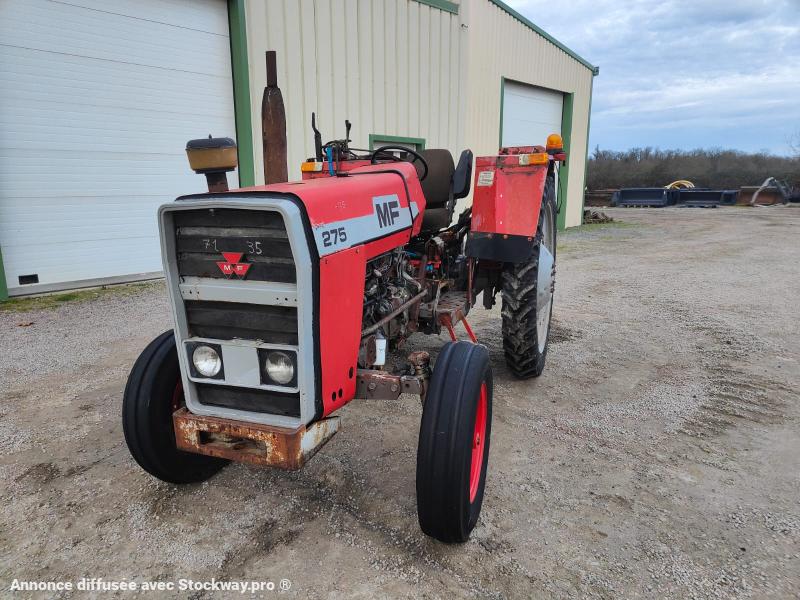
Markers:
point(251, 442)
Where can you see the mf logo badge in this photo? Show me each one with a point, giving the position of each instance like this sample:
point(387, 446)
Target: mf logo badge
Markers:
point(388, 210)
point(233, 267)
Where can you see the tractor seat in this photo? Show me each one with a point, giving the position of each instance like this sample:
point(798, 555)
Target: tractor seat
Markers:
point(443, 186)
point(436, 186)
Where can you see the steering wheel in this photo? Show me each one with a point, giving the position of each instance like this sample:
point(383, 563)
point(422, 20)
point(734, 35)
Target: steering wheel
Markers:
point(416, 155)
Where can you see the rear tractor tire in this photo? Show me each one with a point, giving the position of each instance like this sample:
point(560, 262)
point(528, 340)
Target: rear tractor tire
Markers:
point(153, 393)
point(453, 451)
point(528, 296)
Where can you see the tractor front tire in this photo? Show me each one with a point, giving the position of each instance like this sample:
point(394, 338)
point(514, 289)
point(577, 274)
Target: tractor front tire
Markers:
point(526, 323)
point(153, 392)
point(453, 451)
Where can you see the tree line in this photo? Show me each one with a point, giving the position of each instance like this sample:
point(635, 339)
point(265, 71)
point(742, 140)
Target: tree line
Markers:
point(717, 169)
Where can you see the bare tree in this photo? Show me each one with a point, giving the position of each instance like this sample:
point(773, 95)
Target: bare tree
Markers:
point(794, 143)
point(714, 168)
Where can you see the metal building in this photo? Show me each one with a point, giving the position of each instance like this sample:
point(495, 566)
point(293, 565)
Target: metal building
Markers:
point(100, 97)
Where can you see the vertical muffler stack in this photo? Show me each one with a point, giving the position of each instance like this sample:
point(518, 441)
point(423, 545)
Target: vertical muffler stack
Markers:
point(273, 126)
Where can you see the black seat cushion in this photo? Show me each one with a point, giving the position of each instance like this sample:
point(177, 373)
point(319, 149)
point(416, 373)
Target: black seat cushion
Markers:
point(436, 185)
point(435, 219)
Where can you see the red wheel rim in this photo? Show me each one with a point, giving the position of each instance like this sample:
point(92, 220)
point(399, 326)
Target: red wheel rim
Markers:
point(478, 443)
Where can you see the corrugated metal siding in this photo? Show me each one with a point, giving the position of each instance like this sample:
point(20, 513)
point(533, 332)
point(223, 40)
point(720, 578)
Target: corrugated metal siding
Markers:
point(501, 46)
point(391, 67)
point(398, 67)
point(98, 101)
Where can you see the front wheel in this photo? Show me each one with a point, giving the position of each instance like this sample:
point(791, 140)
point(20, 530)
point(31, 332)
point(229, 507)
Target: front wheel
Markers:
point(152, 394)
point(453, 451)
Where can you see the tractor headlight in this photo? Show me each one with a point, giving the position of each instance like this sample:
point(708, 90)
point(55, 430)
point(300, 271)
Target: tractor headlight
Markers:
point(207, 361)
point(279, 367)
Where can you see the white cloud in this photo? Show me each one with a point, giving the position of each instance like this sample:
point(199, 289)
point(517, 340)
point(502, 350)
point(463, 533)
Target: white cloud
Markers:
point(685, 73)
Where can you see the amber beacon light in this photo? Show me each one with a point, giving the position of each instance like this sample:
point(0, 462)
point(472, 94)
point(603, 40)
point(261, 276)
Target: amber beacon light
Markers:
point(555, 145)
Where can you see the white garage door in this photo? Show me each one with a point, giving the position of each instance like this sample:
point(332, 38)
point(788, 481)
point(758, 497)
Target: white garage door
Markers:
point(98, 100)
point(530, 114)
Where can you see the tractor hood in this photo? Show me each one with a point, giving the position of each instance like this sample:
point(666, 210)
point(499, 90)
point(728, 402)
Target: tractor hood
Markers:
point(361, 206)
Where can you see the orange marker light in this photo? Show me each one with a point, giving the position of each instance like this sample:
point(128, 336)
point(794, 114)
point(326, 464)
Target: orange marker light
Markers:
point(311, 167)
point(540, 158)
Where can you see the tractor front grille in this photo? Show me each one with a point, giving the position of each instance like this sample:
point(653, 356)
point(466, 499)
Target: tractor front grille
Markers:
point(234, 320)
point(241, 279)
point(201, 236)
point(259, 401)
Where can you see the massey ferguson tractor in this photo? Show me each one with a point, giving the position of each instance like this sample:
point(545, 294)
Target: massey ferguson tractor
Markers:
point(290, 300)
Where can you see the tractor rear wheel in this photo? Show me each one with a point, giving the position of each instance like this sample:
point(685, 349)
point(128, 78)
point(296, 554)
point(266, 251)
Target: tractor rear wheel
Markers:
point(453, 451)
point(153, 392)
point(528, 296)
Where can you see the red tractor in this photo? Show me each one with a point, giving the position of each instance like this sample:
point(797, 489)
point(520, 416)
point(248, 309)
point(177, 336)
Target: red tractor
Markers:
point(287, 298)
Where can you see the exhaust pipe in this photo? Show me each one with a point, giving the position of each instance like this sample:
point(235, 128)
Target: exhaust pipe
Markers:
point(273, 126)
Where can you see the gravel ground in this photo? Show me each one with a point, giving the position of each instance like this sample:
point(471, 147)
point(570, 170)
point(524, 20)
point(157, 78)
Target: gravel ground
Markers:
point(657, 456)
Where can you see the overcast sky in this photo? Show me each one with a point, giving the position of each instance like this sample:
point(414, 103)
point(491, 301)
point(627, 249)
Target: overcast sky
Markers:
point(685, 73)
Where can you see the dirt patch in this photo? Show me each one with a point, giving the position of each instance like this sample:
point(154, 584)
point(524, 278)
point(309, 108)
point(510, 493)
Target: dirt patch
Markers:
point(39, 473)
